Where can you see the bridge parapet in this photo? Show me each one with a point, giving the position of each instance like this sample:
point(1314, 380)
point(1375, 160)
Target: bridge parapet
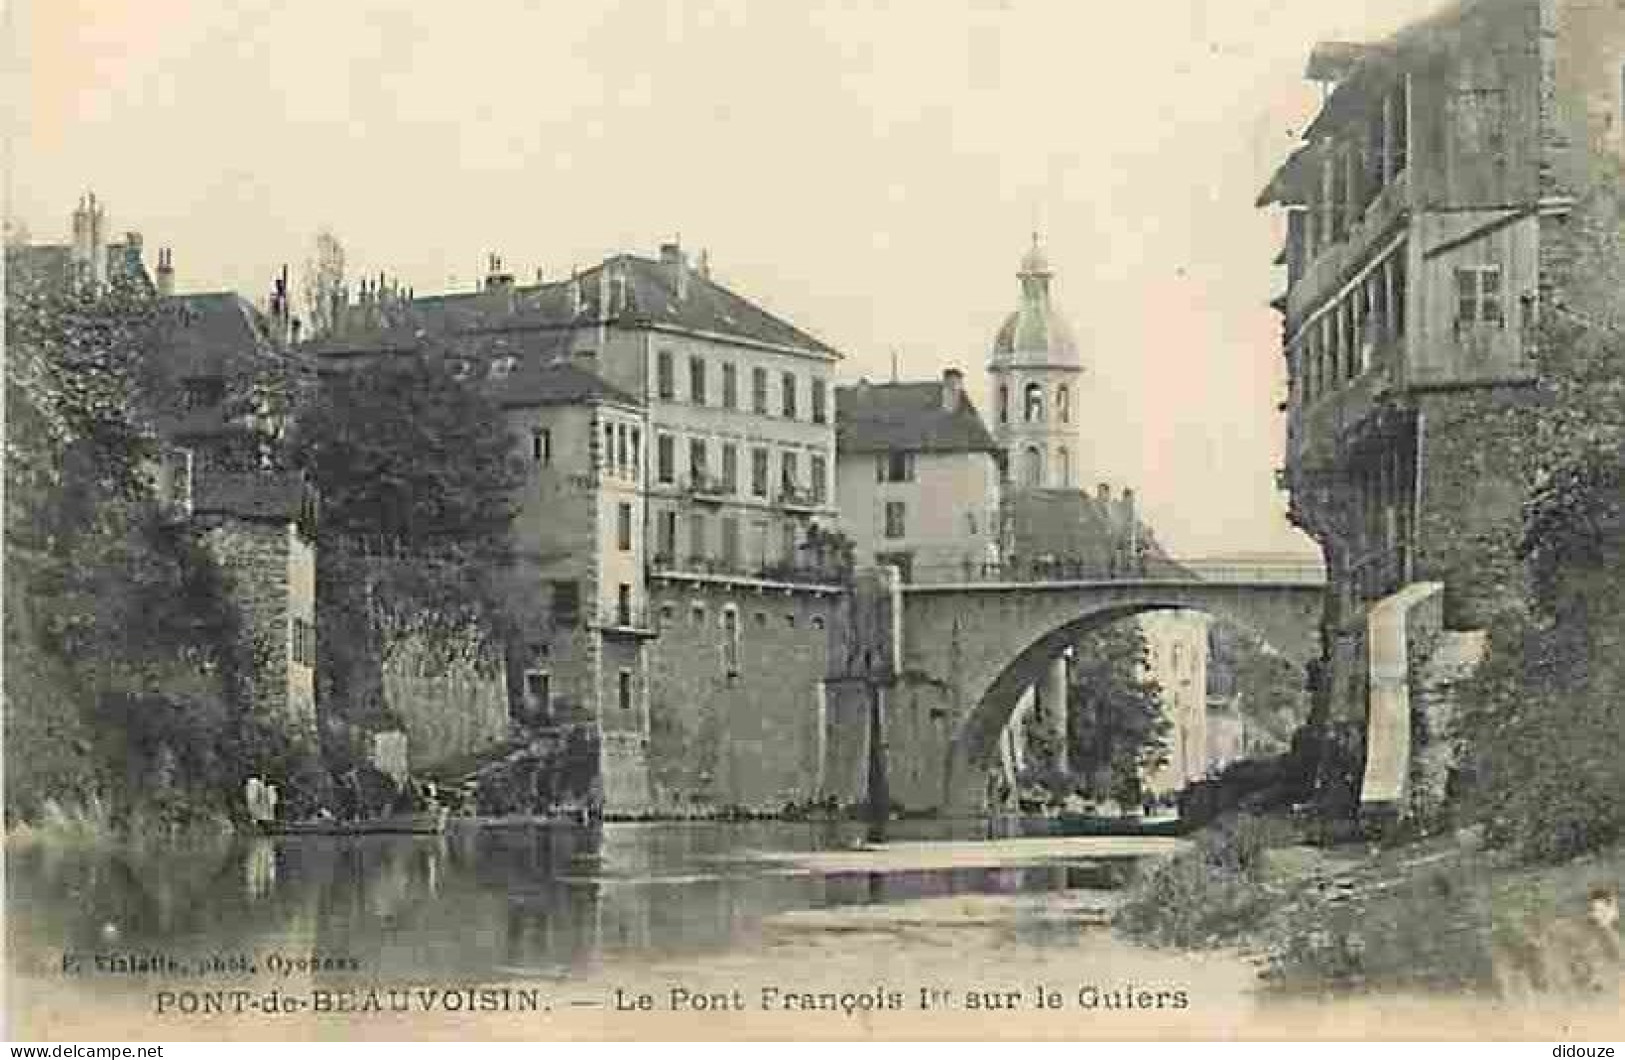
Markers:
point(1288, 571)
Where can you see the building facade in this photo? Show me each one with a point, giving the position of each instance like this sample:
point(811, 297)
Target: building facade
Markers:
point(1435, 209)
point(673, 528)
point(918, 480)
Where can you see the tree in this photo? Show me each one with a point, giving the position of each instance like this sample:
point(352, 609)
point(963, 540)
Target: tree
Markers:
point(1115, 723)
point(124, 674)
point(324, 284)
point(417, 473)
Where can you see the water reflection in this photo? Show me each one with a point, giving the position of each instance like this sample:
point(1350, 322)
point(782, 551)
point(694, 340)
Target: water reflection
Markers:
point(478, 902)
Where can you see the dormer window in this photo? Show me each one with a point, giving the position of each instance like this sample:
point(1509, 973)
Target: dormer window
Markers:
point(460, 368)
point(503, 366)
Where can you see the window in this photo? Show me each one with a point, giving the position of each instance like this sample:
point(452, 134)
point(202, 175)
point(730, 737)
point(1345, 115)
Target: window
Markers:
point(502, 367)
point(304, 642)
point(623, 689)
point(696, 614)
point(894, 519)
point(697, 472)
point(696, 380)
point(730, 541)
point(609, 445)
point(696, 537)
point(1478, 295)
point(623, 605)
point(666, 458)
point(788, 388)
point(1063, 403)
point(1004, 402)
point(665, 381)
point(637, 453)
point(730, 386)
point(820, 477)
point(666, 535)
point(538, 692)
point(895, 466)
point(820, 398)
point(541, 445)
point(758, 472)
point(1034, 471)
point(789, 473)
point(566, 603)
point(1033, 405)
point(1397, 288)
point(623, 526)
point(730, 467)
point(621, 449)
point(1063, 468)
point(758, 391)
point(730, 640)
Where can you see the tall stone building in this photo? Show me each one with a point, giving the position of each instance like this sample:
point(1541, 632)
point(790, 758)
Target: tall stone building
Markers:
point(1444, 197)
point(682, 441)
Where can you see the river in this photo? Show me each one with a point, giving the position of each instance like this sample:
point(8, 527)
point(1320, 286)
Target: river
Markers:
point(530, 931)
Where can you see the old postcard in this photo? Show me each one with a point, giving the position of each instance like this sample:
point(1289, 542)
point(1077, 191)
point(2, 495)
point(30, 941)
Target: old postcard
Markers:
point(723, 519)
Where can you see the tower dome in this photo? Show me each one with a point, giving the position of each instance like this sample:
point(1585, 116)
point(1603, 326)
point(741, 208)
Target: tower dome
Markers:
point(1036, 377)
point(1036, 333)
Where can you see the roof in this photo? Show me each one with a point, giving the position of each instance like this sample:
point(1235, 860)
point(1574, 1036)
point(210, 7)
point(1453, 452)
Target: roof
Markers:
point(638, 292)
point(273, 495)
point(560, 383)
point(877, 417)
point(1075, 526)
point(207, 332)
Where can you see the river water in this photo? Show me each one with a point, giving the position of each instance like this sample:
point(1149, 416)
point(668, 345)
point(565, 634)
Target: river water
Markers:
point(710, 924)
point(487, 902)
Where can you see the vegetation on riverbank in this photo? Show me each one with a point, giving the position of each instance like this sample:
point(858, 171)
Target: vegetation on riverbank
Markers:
point(1443, 914)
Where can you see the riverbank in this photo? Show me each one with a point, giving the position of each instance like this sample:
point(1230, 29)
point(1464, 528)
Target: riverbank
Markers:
point(1436, 916)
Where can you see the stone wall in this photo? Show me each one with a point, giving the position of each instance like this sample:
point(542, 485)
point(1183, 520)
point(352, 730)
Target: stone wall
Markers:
point(735, 720)
point(259, 561)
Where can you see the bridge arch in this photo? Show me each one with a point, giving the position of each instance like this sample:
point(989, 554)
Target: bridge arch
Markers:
point(988, 644)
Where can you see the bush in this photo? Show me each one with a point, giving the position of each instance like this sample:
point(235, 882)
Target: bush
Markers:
point(1207, 895)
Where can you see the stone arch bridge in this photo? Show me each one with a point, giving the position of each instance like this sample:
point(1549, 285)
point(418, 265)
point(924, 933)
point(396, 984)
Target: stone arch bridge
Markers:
point(948, 662)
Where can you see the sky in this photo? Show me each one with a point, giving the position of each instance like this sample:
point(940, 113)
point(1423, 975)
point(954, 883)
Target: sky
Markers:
point(871, 170)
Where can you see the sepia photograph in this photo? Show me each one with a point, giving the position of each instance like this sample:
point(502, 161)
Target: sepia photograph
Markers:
point(813, 520)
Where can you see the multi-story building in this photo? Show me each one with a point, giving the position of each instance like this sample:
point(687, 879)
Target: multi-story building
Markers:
point(683, 448)
point(215, 464)
point(1176, 643)
point(1439, 203)
point(918, 479)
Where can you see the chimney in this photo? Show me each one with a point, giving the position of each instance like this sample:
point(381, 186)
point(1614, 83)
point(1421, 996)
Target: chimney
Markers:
point(89, 255)
point(166, 272)
point(672, 260)
point(495, 278)
point(1103, 494)
point(953, 389)
point(704, 267)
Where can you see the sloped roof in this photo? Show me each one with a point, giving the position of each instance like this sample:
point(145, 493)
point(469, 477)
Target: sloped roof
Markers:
point(640, 291)
point(274, 495)
point(1076, 526)
point(208, 333)
point(559, 383)
point(875, 417)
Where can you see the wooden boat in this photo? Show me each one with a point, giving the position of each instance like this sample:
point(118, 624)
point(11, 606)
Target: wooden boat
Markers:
point(423, 822)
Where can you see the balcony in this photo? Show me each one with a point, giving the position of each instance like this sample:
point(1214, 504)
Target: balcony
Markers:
point(796, 499)
point(627, 622)
point(746, 574)
point(708, 489)
point(1316, 430)
point(1331, 265)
